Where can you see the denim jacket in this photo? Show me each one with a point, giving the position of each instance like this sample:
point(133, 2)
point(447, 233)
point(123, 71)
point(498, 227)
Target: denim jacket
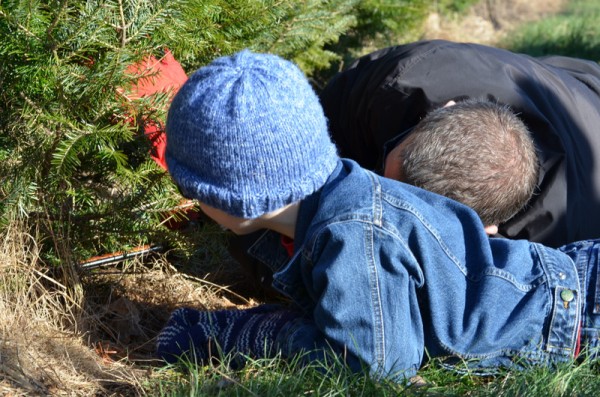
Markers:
point(386, 272)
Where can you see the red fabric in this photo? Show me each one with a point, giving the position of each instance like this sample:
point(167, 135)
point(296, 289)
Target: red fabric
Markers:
point(578, 345)
point(164, 75)
point(288, 244)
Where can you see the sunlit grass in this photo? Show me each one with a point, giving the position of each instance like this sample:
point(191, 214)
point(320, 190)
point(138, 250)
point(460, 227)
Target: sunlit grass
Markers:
point(275, 377)
point(575, 32)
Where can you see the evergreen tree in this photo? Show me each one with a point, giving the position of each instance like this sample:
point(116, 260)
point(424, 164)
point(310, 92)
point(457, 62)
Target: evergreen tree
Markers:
point(73, 160)
point(71, 157)
point(380, 23)
point(294, 29)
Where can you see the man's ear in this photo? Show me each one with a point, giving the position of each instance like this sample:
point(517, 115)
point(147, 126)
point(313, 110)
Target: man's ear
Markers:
point(491, 230)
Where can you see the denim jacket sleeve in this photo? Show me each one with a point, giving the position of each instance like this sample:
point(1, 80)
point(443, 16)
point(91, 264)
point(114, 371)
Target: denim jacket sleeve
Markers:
point(362, 281)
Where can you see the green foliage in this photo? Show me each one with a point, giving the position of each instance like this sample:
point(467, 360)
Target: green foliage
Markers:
point(379, 24)
point(383, 23)
point(454, 6)
point(293, 29)
point(306, 28)
point(575, 32)
point(74, 161)
point(63, 124)
point(393, 19)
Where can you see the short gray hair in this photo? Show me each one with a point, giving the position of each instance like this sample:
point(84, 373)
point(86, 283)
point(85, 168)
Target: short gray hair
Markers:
point(476, 152)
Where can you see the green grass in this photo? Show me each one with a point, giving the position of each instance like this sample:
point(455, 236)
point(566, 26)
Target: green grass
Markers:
point(271, 377)
point(274, 377)
point(575, 32)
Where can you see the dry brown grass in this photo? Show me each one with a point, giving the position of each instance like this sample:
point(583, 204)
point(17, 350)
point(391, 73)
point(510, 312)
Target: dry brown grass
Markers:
point(42, 350)
point(93, 333)
point(128, 307)
point(489, 21)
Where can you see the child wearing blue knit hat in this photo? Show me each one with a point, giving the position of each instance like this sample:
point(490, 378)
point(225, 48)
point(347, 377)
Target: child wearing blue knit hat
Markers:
point(380, 271)
point(247, 136)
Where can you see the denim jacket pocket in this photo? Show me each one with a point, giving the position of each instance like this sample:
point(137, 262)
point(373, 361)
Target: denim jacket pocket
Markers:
point(268, 250)
point(567, 302)
point(585, 255)
point(289, 281)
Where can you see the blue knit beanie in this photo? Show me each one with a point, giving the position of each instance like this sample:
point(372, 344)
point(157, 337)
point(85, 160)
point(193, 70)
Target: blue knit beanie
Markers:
point(247, 135)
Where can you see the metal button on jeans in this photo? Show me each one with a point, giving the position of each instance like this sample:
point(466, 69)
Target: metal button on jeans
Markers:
point(567, 296)
point(562, 276)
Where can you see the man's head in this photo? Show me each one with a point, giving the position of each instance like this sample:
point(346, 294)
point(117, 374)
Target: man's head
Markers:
point(475, 152)
point(246, 135)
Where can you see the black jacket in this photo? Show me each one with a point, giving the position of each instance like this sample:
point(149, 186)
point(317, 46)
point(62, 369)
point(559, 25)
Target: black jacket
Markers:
point(387, 92)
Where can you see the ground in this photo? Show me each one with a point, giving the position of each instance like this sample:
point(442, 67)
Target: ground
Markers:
point(490, 20)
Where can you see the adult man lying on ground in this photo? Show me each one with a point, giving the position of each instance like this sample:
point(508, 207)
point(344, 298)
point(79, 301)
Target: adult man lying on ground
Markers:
point(382, 96)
